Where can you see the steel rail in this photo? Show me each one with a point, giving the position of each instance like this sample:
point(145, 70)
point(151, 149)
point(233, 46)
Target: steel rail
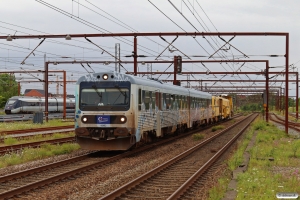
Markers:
point(116, 193)
point(58, 177)
point(5, 149)
point(180, 191)
point(35, 130)
point(292, 125)
point(22, 137)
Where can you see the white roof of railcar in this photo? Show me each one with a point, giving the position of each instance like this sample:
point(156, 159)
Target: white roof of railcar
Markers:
point(42, 99)
point(114, 76)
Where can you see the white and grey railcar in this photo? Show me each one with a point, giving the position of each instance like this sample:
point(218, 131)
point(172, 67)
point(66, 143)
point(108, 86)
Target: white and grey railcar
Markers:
point(25, 104)
point(116, 111)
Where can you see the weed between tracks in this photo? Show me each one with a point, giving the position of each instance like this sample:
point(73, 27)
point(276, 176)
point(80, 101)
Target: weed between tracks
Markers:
point(198, 136)
point(30, 124)
point(30, 154)
point(36, 138)
point(265, 177)
point(215, 128)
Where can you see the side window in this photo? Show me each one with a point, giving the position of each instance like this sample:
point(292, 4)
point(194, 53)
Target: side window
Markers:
point(153, 100)
point(139, 99)
point(164, 102)
point(179, 102)
point(158, 100)
point(147, 100)
point(193, 105)
point(174, 103)
point(143, 96)
point(172, 100)
point(168, 101)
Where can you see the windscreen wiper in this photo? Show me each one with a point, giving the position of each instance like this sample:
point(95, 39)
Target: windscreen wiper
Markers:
point(99, 93)
point(123, 93)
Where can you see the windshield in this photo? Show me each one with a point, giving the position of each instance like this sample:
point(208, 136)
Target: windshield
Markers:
point(11, 101)
point(104, 96)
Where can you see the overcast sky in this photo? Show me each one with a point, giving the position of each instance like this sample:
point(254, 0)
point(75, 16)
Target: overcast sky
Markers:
point(19, 17)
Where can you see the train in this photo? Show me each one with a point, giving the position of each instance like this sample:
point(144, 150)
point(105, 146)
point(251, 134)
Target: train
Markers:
point(115, 111)
point(27, 104)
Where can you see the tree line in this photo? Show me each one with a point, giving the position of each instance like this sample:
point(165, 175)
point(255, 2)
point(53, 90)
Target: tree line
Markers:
point(8, 88)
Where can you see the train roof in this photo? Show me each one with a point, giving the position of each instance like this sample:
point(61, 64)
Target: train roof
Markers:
point(26, 98)
point(114, 76)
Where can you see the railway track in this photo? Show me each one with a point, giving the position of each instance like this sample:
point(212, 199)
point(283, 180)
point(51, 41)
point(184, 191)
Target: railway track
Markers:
point(14, 132)
point(17, 147)
point(173, 179)
point(18, 183)
point(27, 117)
point(292, 125)
point(27, 133)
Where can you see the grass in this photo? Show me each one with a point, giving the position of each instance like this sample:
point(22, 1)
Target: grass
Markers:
point(30, 124)
point(29, 154)
point(215, 128)
point(219, 190)
point(264, 178)
point(198, 136)
point(36, 138)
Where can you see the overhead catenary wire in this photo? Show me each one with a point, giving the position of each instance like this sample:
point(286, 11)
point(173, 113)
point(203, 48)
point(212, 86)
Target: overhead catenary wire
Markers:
point(51, 40)
point(208, 29)
point(124, 25)
point(107, 52)
point(91, 25)
point(46, 41)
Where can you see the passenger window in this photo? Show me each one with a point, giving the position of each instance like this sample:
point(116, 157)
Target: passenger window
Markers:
point(158, 100)
point(194, 102)
point(143, 96)
point(179, 102)
point(153, 100)
point(139, 99)
point(164, 102)
point(168, 101)
point(147, 100)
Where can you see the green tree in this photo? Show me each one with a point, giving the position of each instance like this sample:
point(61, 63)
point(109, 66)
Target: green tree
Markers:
point(292, 102)
point(8, 88)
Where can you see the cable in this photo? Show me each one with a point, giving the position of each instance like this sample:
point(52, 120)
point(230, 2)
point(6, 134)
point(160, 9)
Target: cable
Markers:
point(88, 23)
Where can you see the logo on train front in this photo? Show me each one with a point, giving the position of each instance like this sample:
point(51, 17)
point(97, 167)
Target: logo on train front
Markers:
point(103, 119)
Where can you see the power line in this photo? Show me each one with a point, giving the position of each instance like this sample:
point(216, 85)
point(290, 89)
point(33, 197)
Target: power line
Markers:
point(94, 26)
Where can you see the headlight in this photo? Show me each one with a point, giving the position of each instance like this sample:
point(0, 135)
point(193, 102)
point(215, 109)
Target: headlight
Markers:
point(105, 76)
point(84, 119)
point(123, 119)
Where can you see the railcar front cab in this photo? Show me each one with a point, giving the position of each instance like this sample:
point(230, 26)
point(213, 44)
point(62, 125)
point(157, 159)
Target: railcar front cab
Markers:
point(11, 105)
point(104, 116)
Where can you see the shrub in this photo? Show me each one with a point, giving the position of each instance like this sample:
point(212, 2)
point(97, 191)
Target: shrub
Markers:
point(198, 136)
point(215, 128)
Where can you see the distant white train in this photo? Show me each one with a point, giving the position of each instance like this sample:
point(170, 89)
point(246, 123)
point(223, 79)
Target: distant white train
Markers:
point(24, 104)
point(116, 111)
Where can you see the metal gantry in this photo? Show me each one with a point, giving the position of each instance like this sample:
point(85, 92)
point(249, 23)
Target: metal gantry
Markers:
point(160, 34)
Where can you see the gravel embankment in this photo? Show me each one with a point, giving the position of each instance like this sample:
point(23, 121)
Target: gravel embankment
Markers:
point(96, 183)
